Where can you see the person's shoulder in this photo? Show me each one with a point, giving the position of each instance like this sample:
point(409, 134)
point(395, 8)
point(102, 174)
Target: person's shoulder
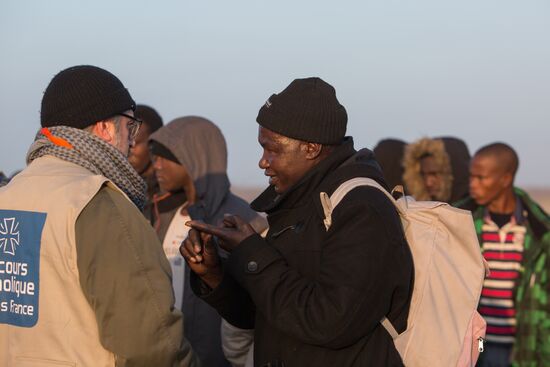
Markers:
point(111, 199)
point(536, 215)
point(368, 197)
point(530, 203)
point(110, 213)
point(108, 194)
point(363, 195)
point(466, 203)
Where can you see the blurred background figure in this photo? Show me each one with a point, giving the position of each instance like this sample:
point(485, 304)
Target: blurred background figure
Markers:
point(436, 169)
point(139, 153)
point(514, 233)
point(389, 154)
point(190, 162)
point(3, 179)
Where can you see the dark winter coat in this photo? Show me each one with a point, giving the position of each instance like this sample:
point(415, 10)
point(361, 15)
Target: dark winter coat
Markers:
point(315, 297)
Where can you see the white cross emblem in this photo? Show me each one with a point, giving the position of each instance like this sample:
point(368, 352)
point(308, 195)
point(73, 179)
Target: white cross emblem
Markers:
point(9, 235)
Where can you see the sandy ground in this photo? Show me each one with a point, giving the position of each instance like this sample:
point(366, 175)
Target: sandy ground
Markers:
point(540, 195)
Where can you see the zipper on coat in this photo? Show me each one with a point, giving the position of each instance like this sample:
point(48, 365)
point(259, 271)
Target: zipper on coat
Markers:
point(280, 232)
point(480, 346)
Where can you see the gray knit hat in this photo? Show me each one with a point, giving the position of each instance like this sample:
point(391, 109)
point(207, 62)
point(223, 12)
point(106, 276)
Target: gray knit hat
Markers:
point(82, 95)
point(306, 110)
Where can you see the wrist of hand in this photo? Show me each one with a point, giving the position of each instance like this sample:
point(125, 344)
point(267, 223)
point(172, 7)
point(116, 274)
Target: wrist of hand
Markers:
point(213, 278)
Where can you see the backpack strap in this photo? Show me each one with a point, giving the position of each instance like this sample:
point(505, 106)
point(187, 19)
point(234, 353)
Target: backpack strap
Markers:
point(386, 323)
point(332, 201)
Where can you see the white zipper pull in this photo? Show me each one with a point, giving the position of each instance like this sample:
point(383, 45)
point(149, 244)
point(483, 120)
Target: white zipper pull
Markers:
point(480, 342)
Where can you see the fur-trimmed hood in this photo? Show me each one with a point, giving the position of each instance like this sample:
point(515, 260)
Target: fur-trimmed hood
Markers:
point(449, 153)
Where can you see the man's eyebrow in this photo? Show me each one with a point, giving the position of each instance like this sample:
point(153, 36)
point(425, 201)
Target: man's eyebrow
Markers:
point(267, 143)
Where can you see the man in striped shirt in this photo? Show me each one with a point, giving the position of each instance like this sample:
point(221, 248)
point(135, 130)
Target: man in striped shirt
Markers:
point(514, 235)
point(502, 244)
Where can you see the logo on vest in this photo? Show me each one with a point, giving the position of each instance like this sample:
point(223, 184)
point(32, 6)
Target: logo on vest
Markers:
point(20, 236)
point(9, 235)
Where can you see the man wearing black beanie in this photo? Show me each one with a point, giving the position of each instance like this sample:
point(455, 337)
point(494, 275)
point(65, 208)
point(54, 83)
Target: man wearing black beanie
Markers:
point(91, 284)
point(139, 156)
point(317, 286)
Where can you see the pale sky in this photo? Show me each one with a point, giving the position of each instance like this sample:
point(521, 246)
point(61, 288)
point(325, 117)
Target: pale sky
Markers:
point(478, 70)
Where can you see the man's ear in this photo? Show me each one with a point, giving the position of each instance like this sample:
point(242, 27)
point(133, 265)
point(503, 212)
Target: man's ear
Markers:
point(105, 130)
point(507, 179)
point(312, 150)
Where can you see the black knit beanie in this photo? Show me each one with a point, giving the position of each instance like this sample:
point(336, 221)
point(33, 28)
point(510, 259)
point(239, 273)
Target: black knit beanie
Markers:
point(149, 116)
point(306, 110)
point(82, 95)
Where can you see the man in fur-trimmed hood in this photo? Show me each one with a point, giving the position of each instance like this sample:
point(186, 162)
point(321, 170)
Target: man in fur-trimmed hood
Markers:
point(436, 169)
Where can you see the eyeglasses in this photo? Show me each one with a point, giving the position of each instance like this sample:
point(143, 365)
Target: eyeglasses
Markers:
point(133, 126)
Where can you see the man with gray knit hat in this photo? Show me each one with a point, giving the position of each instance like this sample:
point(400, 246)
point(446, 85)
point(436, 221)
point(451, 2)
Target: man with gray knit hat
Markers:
point(84, 279)
point(315, 296)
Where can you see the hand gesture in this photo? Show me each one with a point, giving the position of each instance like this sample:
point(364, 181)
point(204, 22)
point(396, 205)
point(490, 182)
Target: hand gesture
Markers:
point(234, 231)
point(202, 258)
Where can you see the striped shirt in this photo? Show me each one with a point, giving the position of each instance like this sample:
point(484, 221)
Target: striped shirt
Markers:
point(503, 250)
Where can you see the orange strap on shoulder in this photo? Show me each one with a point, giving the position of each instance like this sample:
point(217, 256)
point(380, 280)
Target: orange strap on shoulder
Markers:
point(56, 140)
point(156, 212)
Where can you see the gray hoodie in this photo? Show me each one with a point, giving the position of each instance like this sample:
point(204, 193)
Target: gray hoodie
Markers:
point(200, 147)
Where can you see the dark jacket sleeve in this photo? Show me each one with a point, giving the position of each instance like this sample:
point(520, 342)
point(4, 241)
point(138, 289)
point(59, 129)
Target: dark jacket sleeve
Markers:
point(365, 263)
point(232, 302)
point(126, 279)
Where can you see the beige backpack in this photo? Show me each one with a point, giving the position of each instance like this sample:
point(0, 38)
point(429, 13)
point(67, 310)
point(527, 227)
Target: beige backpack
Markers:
point(443, 326)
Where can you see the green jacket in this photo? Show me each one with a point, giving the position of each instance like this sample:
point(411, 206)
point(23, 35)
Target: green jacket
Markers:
point(532, 347)
point(126, 277)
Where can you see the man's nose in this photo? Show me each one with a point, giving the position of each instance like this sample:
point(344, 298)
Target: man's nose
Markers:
point(263, 163)
point(430, 180)
point(156, 162)
point(472, 185)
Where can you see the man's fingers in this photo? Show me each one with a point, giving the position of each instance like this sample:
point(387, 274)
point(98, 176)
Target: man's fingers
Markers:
point(195, 237)
point(207, 228)
point(191, 248)
point(239, 222)
point(187, 255)
point(209, 246)
point(233, 221)
point(205, 237)
point(228, 221)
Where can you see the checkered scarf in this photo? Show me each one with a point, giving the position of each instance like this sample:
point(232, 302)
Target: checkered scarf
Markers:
point(89, 151)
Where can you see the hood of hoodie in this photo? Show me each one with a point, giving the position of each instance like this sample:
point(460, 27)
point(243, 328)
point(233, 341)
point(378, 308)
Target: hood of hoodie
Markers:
point(200, 147)
point(449, 153)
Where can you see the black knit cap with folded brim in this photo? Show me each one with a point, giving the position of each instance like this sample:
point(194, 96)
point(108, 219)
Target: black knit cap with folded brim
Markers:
point(306, 110)
point(83, 95)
